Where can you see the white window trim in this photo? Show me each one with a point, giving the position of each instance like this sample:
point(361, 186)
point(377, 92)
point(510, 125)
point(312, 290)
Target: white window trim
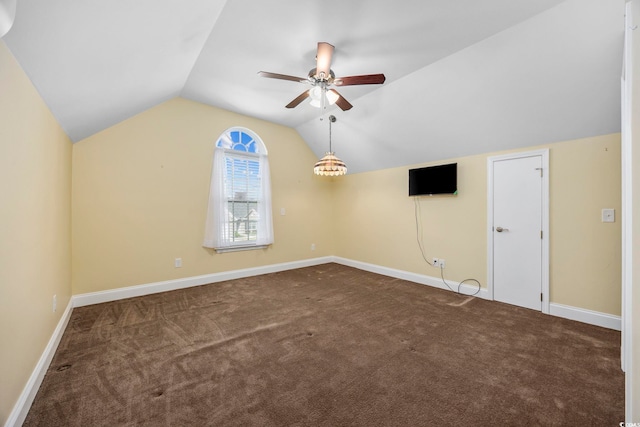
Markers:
point(240, 248)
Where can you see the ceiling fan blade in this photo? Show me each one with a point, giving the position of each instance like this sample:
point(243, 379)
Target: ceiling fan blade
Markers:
point(323, 60)
point(341, 102)
point(304, 95)
point(282, 77)
point(368, 79)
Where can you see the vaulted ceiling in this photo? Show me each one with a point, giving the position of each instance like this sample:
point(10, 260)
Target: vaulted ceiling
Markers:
point(463, 77)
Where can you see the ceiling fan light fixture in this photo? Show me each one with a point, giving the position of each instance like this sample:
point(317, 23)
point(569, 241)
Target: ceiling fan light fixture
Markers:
point(332, 97)
point(316, 93)
point(315, 103)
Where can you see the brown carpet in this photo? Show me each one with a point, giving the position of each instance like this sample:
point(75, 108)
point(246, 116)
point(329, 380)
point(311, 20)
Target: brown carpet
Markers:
point(327, 346)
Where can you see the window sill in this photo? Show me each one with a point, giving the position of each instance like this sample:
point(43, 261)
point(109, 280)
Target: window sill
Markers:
point(240, 248)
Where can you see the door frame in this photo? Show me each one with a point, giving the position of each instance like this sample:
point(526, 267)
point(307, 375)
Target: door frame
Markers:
point(544, 153)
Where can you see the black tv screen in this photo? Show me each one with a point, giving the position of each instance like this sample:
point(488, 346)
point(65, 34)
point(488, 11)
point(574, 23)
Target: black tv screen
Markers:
point(440, 179)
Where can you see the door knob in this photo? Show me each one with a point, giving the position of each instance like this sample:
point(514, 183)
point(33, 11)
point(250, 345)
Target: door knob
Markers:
point(500, 229)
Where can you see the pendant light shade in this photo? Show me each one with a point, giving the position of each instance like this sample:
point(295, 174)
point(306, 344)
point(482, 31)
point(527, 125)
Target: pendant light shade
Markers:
point(330, 165)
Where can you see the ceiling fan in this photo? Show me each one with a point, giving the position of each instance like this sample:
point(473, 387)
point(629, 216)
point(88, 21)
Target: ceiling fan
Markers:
point(322, 78)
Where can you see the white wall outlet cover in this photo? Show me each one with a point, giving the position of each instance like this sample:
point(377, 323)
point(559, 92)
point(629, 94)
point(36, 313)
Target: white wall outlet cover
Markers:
point(608, 215)
point(283, 211)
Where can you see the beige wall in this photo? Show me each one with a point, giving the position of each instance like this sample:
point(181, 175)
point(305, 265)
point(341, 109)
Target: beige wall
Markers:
point(35, 227)
point(376, 222)
point(586, 254)
point(140, 192)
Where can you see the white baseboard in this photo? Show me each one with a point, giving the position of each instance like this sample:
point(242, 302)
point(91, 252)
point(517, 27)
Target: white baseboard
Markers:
point(81, 300)
point(596, 318)
point(568, 312)
point(436, 282)
point(22, 406)
point(591, 317)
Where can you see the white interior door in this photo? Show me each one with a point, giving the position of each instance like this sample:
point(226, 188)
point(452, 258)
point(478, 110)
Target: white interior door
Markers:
point(517, 230)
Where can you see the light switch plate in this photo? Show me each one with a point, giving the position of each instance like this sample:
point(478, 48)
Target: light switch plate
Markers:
point(608, 215)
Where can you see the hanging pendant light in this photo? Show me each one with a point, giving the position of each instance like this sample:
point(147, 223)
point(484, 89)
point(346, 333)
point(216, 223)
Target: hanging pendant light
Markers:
point(330, 165)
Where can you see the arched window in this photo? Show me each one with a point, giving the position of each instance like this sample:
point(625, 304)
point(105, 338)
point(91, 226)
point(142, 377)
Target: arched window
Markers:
point(239, 213)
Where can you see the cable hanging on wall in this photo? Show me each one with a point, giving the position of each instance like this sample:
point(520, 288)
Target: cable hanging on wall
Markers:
point(418, 216)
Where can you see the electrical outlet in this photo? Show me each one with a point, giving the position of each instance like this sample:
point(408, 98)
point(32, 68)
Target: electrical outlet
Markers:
point(178, 262)
point(313, 246)
point(441, 263)
point(434, 262)
point(55, 302)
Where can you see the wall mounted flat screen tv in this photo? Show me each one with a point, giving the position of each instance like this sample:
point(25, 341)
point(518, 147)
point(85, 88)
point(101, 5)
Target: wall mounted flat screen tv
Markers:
point(440, 179)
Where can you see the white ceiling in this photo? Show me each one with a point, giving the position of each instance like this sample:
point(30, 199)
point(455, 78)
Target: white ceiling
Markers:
point(463, 77)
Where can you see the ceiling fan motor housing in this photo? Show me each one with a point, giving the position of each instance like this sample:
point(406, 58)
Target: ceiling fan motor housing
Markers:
point(315, 79)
